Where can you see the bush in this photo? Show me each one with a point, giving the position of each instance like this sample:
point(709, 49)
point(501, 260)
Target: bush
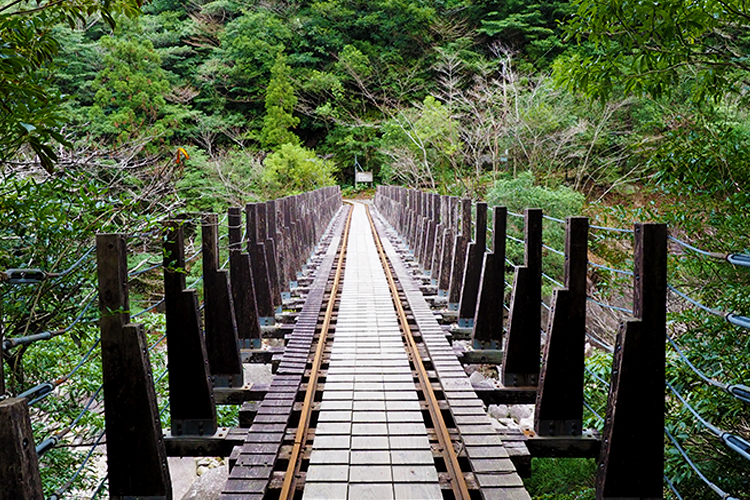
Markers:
point(294, 169)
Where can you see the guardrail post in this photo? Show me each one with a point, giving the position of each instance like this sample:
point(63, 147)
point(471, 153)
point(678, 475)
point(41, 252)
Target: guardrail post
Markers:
point(634, 425)
point(222, 343)
point(137, 461)
point(559, 400)
point(243, 292)
point(521, 356)
point(459, 256)
point(488, 319)
point(260, 271)
point(19, 466)
point(447, 257)
point(269, 251)
point(191, 397)
point(475, 252)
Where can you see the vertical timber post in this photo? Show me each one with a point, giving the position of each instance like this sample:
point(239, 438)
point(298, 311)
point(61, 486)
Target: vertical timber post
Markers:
point(222, 343)
point(459, 256)
point(191, 397)
point(488, 319)
point(473, 269)
point(19, 465)
point(634, 426)
point(137, 461)
point(260, 271)
point(521, 355)
point(243, 292)
point(559, 399)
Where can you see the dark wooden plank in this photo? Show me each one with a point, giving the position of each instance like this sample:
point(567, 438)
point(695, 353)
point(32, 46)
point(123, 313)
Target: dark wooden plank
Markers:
point(19, 466)
point(191, 401)
point(634, 425)
point(222, 343)
point(559, 405)
point(137, 462)
point(269, 251)
point(521, 362)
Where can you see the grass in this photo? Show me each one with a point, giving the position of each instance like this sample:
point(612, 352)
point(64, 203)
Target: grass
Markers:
point(561, 479)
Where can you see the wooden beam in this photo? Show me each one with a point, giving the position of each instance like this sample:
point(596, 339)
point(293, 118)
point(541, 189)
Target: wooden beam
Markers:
point(222, 343)
point(488, 318)
point(475, 253)
point(19, 466)
point(137, 462)
point(521, 362)
point(559, 405)
point(243, 291)
point(634, 424)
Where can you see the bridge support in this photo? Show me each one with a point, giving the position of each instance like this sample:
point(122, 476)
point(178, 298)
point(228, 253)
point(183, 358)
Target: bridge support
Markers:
point(243, 291)
point(634, 425)
point(19, 466)
point(191, 400)
point(521, 356)
point(222, 343)
point(475, 252)
point(559, 403)
point(137, 462)
point(488, 318)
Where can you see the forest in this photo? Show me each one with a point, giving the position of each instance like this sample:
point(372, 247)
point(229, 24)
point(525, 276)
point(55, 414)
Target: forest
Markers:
point(114, 113)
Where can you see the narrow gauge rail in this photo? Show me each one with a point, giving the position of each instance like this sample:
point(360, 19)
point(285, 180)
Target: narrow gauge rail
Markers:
point(384, 410)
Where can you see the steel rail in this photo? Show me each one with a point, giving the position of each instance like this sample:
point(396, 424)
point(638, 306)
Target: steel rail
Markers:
point(288, 486)
point(458, 482)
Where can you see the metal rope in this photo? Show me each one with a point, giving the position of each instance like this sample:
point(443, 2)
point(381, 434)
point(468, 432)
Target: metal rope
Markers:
point(692, 465)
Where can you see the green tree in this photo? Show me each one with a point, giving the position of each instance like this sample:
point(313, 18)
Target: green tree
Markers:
point(29, 107)
point(130, 93)
point(280, 103)
point(649, 47)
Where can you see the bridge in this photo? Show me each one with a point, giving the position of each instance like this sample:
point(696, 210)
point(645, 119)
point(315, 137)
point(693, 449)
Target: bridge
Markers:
point(368, 303)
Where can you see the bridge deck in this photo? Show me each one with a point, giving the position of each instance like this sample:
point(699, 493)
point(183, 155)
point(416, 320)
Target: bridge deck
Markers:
point(372, 436)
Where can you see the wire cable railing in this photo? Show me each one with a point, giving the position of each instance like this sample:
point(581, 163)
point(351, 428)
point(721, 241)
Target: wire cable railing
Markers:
point(735, 319)
point(695, 468)
point(732, 441)
point(739, 391)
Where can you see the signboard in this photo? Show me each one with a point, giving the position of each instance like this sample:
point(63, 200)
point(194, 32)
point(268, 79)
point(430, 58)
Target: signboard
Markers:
point(362, 177)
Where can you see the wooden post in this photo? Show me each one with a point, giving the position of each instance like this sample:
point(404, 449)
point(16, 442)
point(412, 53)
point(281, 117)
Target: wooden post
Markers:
point(634, 425)
point(559, 400)
point(222, 343)
point(269, 253)
point(243, 293)
point(191, 398)
point(488, 319)
point(137, 462)
point(521, 356)
point(473, 269)
point(19, 466)
point(459, 256)
point(258, 261)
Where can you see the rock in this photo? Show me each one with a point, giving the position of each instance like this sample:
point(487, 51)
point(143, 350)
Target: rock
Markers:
point(519, 412)
point(526, 424)
point(497, 425)
point(509, 422)
point(182, 473)
point(498, 411)
point(478, 381)
point(469, 369)
point(209, 485)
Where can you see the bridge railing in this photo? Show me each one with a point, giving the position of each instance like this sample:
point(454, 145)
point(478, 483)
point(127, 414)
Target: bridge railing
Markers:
point(550, 360)
point(279, 238)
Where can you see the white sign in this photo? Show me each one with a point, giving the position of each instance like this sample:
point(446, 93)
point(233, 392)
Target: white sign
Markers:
point(362, 177)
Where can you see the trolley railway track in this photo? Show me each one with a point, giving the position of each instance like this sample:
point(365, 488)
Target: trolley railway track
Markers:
point(359, 409)
point(443, 439)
